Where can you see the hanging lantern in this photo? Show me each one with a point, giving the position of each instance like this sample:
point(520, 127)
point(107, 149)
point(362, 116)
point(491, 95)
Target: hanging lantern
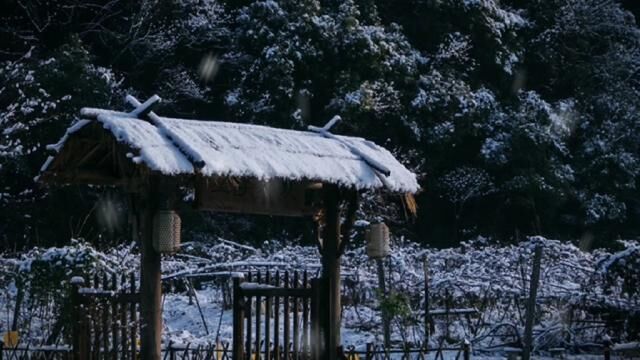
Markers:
point(166, 232)
point(377, 236)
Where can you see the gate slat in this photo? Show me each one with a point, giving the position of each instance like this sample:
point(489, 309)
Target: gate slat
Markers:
point(95, 321)
point(105, 319)
point(133, 317)
point(305, 317)
point(114, 319)
point(123, 321)
point(286, 317)
point(267, 320)
point(296, 321)
point(258, 320)
point(249, 310)
point(276, 321)
point(315, 320)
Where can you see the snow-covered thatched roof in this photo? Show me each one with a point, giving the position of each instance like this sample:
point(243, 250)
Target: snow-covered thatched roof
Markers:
point(211, 148)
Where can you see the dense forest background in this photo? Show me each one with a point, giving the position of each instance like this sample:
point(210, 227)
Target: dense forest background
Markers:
point(520, 116)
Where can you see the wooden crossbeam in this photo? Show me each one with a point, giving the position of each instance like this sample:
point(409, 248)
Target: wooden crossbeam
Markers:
point(143, 110)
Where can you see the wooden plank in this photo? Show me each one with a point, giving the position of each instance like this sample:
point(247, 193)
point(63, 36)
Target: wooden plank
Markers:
point(274, 291)
point(459, 312)
point(88, 177)
point(124, 298)
point(251, 196)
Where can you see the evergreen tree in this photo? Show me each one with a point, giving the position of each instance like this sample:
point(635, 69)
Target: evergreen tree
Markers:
point(40, 96)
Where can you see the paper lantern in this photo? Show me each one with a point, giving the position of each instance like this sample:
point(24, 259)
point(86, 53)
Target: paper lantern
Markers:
point(377, 237)
point(166, 232)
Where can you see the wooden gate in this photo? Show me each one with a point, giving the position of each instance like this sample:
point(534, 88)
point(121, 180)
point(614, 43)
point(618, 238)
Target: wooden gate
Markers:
point(276, 317)
point(105, 318)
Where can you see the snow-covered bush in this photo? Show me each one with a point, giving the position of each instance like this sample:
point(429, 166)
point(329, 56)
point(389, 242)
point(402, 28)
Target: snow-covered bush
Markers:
point(575, 286)
point(37, 284)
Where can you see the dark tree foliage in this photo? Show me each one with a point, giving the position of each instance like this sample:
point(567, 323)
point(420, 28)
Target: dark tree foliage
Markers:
point(520, 117)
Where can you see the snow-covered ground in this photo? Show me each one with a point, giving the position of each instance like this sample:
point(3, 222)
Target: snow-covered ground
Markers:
point(576, 290)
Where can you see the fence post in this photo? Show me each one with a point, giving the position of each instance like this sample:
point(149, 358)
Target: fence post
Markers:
point(238, 319)
point(531, 303)
point(607, 348)
point(369, 354)
point(79, 335)
point(133, 316)
point(427, 320)
point(466, 349)
point(1, 349)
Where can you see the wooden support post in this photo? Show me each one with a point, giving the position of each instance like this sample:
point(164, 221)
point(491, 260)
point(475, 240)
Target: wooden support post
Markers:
point(331, 272)
point(531, 303)
point(150, 279)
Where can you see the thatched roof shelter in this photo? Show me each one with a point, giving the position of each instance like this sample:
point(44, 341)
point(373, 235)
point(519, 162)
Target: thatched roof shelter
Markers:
point(233, 167)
